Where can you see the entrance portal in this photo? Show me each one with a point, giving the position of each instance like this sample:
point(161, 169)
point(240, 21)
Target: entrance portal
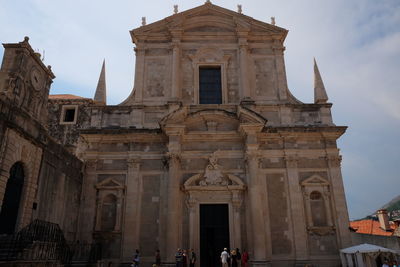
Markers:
point(11, 200)
point(214, 233)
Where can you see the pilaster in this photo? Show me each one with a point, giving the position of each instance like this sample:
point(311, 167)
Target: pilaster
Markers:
point(258, 233)
point(174, 196)
point(139, 72)
point(244, 65)
point(281, 71)
point(87, 213)
point(339, 199)
point(296, 208)
point(176, 54)
point(132, 205)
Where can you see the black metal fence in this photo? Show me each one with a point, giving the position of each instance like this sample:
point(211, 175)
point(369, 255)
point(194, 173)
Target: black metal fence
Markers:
point(43, 241)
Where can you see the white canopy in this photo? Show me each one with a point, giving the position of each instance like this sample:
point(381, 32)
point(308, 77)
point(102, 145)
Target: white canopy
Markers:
point(367, 248)
point(364, 255)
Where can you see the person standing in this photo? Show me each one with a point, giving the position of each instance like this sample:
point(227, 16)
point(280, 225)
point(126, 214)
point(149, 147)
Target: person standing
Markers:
point(224, 258)
point(158, 258)
point(238, 256)
point(245, 258)
point(136, 258)
point(184, 258)
point(233, 258)
point(192, 258)
point(178, 258)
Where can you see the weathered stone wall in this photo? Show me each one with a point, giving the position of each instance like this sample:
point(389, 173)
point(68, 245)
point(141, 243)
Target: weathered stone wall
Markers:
point(67, 134)
point(60, 185)
point(391, 242)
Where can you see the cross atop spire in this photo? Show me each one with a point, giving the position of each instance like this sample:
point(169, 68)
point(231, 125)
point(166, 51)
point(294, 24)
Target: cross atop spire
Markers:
point(320, 95)
point(100, 95)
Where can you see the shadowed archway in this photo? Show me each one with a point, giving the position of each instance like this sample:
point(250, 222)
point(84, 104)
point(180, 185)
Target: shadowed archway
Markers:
point(12, 199)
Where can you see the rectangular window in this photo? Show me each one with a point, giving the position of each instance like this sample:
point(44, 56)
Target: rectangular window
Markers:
point(69, 114)
point(210, 86)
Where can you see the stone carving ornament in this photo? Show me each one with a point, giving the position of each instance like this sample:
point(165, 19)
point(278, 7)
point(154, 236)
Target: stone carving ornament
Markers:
point(213, 174)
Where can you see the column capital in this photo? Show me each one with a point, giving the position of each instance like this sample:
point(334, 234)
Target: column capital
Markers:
point(291, 161)
point(191, 204)
point(134, 163)
point(252, 155)
point(90, 164)
point(139, 50)
point(173, 157)
point(334, 160)
point(237, 200)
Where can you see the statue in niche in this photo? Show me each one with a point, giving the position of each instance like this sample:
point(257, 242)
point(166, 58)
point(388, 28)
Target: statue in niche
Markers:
point(213, 174)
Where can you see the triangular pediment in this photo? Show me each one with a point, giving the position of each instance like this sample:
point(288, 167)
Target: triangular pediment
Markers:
point(207, 18)
point(109, 183)
point(315, 180)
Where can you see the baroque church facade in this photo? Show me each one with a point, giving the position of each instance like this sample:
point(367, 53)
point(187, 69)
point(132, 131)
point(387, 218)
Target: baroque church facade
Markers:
point(210, 150)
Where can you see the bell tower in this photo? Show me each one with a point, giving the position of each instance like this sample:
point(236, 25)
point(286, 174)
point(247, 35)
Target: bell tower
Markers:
point(24, 80)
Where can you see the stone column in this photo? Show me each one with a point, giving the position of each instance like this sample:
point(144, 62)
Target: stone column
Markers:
point(99, 200)
point(139, 73)
point(120, 199)
point(339, 198)
point(299, 224)
point(174, 213)
point(328, 206)
point(244, 74)
point(191, 204)
point(280, 69)
point(132, 218)
point(88, 197)
point(258, 231)
point(176, 54)
point(237, 204)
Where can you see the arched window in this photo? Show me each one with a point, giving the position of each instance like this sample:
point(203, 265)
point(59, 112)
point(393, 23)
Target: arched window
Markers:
point(12, 199)
point(318, 211)
point(109, 213)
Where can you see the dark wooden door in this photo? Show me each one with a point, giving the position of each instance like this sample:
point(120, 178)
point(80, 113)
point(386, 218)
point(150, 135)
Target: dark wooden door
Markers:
point(210, 85)
point(214, 233)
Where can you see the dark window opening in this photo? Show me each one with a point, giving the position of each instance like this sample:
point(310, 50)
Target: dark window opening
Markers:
point(210, 86)
point(69, 115)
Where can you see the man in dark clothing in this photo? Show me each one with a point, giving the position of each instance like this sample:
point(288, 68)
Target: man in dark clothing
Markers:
point(192, 258)
point(179, 258)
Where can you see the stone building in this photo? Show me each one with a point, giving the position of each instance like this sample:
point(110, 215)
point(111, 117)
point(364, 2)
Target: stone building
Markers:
point(210, 150)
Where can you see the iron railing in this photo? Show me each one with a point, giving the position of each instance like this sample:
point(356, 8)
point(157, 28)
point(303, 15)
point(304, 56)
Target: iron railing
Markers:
point(44, 241)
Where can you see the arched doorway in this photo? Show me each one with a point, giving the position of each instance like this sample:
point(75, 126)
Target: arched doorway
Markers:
point(12, 199)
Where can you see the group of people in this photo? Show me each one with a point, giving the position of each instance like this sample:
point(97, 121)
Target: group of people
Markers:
point(234, 258)
point(390, 264)
point(183, 257)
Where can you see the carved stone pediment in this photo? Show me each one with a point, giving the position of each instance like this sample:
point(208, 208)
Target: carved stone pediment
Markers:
point(212, 119)
point(109, 183)
point(315, 180)
point(214, 178)
point(205, 18)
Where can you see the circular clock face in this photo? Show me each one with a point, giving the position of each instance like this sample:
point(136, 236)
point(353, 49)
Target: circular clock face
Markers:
point(36, 79)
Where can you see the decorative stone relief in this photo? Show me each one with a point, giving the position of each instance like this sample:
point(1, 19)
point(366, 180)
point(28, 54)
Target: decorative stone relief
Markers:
point(213, 174)
point(334, 160)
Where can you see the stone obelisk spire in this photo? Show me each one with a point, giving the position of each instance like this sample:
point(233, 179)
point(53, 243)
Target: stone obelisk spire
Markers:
point(320, 95)
point(100, 95)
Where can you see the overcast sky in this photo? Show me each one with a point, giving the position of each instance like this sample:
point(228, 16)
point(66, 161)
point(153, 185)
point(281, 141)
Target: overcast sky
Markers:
point(356, 44)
